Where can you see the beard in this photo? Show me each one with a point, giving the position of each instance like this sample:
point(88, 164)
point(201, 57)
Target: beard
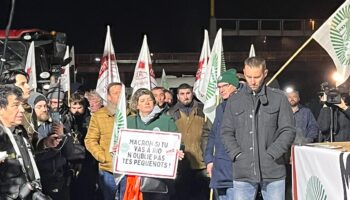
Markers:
point(43, 117)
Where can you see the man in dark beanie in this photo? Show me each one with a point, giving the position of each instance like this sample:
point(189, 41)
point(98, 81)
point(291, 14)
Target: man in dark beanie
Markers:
point(51, 148)
point(219, 165)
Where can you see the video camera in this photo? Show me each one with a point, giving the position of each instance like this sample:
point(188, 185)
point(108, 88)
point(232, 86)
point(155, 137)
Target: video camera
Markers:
point(332, 95)
point(34, 188)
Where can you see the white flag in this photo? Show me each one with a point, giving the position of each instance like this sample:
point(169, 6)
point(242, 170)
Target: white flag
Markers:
point(201, 83)
point(65, 76)
point(216, 66)
point(31, 67)
point(252, 51)
point(119, 119)
point(334, 37)
point(109, 69)
point(143, 75)
point(164, 82)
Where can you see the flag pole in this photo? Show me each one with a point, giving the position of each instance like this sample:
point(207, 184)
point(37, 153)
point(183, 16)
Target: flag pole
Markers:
point(289, 60)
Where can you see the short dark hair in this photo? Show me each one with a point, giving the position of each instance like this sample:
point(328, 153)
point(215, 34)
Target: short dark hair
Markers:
point(184, 86)
point(6, 91)
point(77, 98)
point(255, 62)
point(9, 76)
point(168, 91)
point(111, 85)
point(157, 88)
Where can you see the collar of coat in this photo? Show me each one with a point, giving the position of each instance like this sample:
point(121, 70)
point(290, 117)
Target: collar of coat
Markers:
point(261, 94)
point(197, 107)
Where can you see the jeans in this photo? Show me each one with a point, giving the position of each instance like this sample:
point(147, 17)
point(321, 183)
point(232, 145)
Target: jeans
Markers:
point(107, 185)
point(225, 193)
point(274, 190)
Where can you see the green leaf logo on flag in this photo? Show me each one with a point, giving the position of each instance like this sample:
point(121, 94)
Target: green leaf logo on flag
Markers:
point(340, 35)
point(118, 123)
point(212, 83)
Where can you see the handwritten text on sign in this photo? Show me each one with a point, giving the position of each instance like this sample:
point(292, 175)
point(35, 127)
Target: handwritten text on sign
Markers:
point(147, 153)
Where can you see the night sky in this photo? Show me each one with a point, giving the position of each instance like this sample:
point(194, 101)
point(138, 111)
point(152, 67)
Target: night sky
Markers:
point(171, 26)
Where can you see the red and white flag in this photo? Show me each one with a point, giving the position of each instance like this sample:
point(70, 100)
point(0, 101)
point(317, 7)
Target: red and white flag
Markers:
point(65, 76)
point(109, 69)
point(31, 67)
point(200, 84)
point(143, 75)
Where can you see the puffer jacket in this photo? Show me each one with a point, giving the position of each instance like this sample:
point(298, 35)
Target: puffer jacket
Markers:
point(257, 130)
point(98, 137)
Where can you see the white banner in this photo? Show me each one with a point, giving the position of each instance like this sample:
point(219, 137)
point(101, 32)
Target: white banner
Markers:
point(147, 153)
point(320, 173)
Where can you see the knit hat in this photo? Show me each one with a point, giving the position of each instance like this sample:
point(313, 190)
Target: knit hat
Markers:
point(230, 77)
point(34, 98)
point(53, 92)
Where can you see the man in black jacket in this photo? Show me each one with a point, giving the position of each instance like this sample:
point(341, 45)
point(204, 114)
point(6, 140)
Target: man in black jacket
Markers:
point(258, 128)
point(19, 176)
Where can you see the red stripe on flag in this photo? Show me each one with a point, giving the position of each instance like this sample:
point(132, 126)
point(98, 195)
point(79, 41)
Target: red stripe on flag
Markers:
point(141, 64)
point(104, 66)
point(199, 71)
point(29, 70)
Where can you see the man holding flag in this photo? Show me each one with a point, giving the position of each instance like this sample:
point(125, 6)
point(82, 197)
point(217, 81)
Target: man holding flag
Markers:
point(98, 139)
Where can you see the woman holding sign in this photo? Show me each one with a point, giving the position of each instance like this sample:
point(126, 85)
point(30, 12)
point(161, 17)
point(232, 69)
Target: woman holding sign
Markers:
point(149, 117)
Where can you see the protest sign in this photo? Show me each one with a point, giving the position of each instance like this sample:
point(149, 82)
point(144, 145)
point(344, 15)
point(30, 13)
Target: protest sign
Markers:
point(147, 153)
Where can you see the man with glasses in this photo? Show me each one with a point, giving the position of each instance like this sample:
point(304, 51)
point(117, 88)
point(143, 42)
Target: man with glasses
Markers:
point(219, 165)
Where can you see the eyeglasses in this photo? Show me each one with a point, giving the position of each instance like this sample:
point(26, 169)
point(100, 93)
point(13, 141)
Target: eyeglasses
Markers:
point(223, 86)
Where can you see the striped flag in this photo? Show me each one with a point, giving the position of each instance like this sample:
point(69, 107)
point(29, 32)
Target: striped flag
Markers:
point(216, 66)
point(334, 37)
point(30, 68)
point(109, 69)
point(143, 75)
point(200, 85)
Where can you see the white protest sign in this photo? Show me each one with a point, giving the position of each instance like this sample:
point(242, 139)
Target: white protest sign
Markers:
point(147, 153)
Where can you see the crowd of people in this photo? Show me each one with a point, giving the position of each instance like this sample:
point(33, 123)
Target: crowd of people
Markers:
point(57, 147)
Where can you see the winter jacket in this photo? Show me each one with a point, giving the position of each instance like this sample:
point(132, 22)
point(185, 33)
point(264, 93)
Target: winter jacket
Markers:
point(160, 122)
point(11, 175)
point(215, 153)
point(341, 126)
point(257, 130)
point(98, 137)
point(306, 126)
point(191, 128)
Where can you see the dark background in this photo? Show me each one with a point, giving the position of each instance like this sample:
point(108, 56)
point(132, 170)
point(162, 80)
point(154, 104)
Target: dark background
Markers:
point(171, 25)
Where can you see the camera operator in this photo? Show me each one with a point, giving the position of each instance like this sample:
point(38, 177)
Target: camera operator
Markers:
point(85, 171)
point(19, 176)
point(51, 149)
point(335, 115)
